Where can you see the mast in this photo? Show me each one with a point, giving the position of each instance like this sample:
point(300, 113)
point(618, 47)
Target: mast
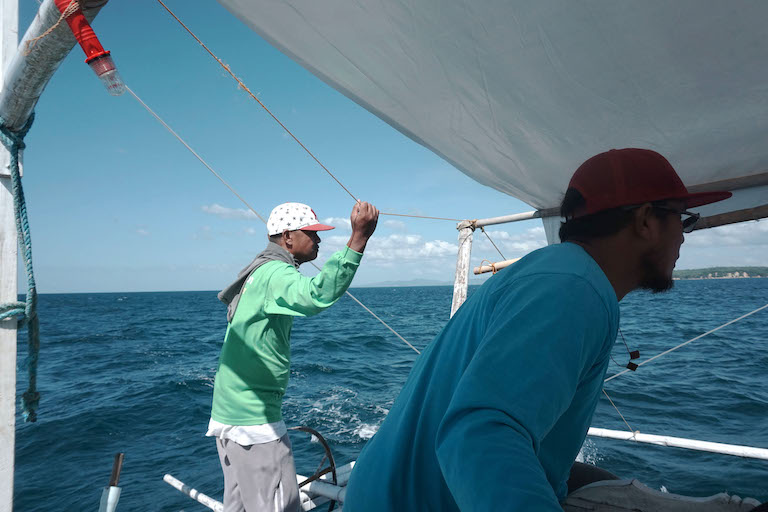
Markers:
point(9, 34)
point(23, 77)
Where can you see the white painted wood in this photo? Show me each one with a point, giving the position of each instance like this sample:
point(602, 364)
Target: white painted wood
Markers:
point(680, 442)
point(110, 496)
point(194, 494)
point(312, 495)
point(9, 19)
point(461, 282)
point(312, 498)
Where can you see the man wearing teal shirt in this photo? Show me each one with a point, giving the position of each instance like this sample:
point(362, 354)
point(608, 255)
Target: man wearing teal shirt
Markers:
point(246, 417)
point(497, 407)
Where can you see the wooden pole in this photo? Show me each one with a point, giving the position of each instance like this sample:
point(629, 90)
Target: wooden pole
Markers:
point(460, 284)
point(9, 19)
point(494, 267)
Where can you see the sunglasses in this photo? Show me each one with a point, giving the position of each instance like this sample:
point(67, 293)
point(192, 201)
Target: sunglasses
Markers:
point(689, 221)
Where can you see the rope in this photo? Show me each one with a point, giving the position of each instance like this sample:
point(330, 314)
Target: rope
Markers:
point(494, 245)
point(167, 127)
point(25, 312)
point(490, 264)
point(71, 9)
point(618, 411)
point(687, 342)
point(194, 153)
point(244, 87)
point(418, 216)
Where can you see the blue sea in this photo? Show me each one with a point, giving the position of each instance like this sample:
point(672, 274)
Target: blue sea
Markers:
point(133, 373)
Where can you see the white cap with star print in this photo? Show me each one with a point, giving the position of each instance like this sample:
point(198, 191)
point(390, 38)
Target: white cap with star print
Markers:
point(293, 216)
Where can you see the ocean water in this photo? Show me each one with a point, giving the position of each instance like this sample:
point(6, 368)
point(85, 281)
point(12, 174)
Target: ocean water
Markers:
point(133, 372)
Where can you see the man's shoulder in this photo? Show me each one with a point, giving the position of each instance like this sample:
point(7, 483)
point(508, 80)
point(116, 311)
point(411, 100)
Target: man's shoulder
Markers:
point(560, 270)
point(268, 269)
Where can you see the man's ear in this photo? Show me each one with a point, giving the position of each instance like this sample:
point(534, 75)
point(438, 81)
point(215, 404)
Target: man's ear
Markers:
point(645, 223)
point(288, 238)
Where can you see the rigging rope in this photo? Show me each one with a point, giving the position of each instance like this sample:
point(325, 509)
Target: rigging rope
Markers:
point(494, 245)
point(25, 312)
point(618, 411)
point(687, 342)
point(667, 352)
point(247, 90)
point(194, 153)
point(167, 127)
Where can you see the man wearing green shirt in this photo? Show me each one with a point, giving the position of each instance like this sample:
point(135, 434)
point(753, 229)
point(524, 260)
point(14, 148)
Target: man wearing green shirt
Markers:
point(246, 417)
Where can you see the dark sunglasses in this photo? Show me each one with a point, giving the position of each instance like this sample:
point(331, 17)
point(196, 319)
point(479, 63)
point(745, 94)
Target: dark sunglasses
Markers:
point(689, 222)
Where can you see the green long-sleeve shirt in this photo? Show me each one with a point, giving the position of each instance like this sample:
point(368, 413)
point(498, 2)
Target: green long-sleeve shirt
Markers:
point(256, 356)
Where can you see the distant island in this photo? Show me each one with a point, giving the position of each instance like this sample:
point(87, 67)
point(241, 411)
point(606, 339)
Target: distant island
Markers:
point(721, 273)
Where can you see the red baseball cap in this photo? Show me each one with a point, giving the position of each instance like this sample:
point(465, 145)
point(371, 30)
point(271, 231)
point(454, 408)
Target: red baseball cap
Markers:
point(631, 176)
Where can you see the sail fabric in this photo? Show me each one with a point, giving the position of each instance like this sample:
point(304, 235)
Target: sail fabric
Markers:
point(517, 94)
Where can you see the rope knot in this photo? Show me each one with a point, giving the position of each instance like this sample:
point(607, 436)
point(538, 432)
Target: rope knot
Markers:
point(13, 140)
point(30, 401)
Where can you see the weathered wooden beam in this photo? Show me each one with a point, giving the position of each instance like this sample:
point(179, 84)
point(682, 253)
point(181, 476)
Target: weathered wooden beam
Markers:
point(461, 282)
point(9, 35)
point(758, 212)
point(751, 181)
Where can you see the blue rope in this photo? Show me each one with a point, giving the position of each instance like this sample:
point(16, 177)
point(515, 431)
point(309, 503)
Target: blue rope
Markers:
point(26, 312)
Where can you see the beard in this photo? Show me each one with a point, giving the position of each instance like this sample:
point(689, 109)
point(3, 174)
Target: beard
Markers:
point(653, 276)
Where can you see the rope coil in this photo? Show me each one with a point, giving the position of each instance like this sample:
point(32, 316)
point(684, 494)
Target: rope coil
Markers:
point(25, 312)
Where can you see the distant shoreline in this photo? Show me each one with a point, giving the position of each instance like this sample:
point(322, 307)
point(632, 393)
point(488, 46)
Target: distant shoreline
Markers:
point(720, 277)
point(721, 273)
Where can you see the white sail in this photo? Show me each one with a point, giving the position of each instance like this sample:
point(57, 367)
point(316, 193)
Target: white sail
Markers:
point(516, 94)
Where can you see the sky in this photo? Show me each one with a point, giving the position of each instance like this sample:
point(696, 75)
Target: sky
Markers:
point(116, 204)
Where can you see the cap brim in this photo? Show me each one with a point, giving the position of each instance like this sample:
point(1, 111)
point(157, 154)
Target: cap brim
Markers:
point(317, 227)
point(702, 198)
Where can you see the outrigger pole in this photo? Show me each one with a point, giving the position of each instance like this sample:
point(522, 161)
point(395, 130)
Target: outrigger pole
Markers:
point(25, 70)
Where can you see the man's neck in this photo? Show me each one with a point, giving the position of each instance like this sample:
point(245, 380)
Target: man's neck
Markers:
point(616, 261)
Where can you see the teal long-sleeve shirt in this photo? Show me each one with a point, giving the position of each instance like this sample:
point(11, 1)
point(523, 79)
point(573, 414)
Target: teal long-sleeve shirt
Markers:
point(255, 359)
point(497, 407)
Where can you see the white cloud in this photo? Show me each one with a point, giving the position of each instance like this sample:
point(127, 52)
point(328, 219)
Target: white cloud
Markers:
point(512, 245)
point(744, 244)
point(338, 223)
point(389, 250)
point(746, 233)
point(142, 232)
point(229, 213)
point(395, 225)
point(409, 248)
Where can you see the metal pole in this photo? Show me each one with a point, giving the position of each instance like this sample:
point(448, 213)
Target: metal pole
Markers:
point(517, 217)
point(9, 18)
point(460, 284)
